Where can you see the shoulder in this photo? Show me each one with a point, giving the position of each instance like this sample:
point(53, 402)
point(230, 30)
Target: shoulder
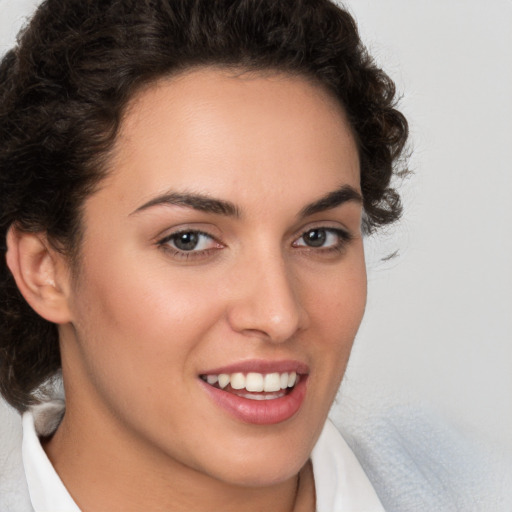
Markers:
point(14, 495)
point(417, 461)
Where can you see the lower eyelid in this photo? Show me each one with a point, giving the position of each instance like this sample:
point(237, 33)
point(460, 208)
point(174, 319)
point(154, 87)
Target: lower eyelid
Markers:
point(188, 255)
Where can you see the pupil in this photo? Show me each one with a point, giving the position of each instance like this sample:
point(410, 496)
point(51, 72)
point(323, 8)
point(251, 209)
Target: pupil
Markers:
point(186, 241)
point(315, 237)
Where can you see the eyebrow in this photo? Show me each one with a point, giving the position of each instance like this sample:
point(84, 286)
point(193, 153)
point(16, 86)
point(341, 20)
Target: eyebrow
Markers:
point(208, 204)
point(332, 200)
point(199, 202)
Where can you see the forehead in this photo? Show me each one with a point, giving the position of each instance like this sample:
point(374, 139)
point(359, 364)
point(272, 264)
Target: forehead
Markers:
point(213, 131)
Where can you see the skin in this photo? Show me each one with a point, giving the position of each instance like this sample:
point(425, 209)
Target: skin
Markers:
point(140, 321)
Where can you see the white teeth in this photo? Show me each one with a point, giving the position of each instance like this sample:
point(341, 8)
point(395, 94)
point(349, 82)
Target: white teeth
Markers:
point(212, 379)
point(255, 382)
point(238, 380)
point(223, 380)
point(272, 382)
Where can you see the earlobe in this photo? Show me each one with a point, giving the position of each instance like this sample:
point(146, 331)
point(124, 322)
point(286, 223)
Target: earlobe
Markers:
point(40, 273)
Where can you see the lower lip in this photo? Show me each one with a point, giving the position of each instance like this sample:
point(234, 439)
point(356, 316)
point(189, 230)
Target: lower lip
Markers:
point(260, 412)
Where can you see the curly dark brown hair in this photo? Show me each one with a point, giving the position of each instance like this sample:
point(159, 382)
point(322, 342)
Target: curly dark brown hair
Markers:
point(64, 87)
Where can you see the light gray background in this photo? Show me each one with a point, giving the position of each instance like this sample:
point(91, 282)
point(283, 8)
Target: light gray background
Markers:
point(439, 319)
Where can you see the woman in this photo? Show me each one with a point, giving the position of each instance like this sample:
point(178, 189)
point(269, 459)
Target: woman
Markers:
point(184, 189)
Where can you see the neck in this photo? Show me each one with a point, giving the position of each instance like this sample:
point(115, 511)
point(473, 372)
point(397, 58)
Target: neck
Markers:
point(104, 470)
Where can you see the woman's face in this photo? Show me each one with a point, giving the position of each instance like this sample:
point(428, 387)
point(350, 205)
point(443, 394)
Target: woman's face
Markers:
point(222, 253)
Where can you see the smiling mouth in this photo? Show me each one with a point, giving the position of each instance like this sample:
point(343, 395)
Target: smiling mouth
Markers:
point(254, 386)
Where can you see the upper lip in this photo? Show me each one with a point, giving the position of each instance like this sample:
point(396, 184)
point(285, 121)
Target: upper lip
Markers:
point(260, 366)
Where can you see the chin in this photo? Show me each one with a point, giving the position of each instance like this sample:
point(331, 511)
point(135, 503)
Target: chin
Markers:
point(263, 463)
point(262, 474)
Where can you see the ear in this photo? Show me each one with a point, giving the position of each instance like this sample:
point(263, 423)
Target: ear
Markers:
point(41, 274)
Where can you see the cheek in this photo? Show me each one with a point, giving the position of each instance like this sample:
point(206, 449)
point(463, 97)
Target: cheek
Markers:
point(337, 299)
point(138, 326)
point(336, 307)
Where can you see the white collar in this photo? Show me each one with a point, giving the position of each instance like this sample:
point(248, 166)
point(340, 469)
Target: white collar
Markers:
point(47, 492)
point(340, 482)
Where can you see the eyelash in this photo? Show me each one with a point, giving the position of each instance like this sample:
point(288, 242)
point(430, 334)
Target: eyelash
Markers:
point(164, 243)
point(343, 239)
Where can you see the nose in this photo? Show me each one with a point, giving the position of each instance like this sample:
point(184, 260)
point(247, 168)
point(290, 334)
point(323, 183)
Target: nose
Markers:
point(266, 300)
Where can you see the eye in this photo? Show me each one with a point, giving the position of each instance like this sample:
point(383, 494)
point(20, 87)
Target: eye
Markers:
point(323, 238)
point(189, 241)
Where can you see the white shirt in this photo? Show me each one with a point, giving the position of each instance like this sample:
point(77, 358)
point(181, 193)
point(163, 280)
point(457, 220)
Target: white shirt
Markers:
point(341, 484)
